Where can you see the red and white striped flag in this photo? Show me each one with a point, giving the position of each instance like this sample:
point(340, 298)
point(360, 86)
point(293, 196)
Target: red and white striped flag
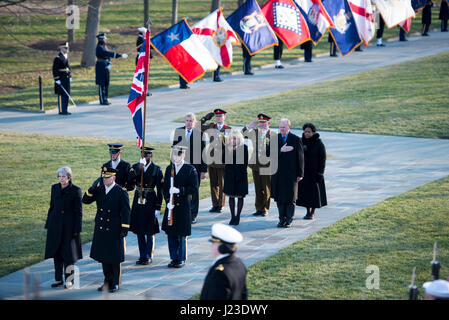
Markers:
point(364, 20)
point(217, 36)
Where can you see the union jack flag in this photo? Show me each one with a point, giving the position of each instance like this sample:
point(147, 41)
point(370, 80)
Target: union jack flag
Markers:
point(139, 88)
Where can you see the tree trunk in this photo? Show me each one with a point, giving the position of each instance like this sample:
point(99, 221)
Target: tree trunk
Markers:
point(174, 15)
point(93, 21)
point(71, 29)
point(146, 13)
point(216, 4)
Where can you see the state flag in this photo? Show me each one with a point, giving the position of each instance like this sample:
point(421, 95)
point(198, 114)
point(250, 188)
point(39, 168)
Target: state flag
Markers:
point(287, 22)
point(184, 52)
point(394, 12)
point(252, 28)
point(317, 18)
point(364, 19)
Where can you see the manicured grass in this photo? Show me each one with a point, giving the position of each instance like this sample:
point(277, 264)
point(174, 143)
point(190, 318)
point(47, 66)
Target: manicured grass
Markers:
point(21, 63)
point(407, 99)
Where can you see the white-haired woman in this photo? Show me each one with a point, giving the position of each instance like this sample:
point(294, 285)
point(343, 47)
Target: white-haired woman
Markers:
point(64, 226)
point(236, 176)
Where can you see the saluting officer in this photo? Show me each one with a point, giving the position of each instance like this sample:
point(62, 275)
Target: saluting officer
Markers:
point(180, 182)
point(146, 204)
point(260, 138)
point(217, 132)
point(226, 279)
point(122, 167)
point(111, 226)
point(62, 77)
point(102, 67)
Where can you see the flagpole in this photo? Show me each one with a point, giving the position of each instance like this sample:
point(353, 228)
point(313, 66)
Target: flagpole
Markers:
point(147, 67)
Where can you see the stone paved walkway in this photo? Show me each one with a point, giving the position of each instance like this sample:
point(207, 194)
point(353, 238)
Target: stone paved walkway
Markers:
point(356, 175)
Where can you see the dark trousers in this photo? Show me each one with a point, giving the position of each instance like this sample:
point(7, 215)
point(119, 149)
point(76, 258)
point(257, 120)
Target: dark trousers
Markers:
point(63, 103)
point(182, 82)
point(61, 267)
point(195, 200)
point(443, 25)
point(402, 36)
point(277, 50)
point(308, 51)
point(380, 31)
point(217, 73)
point(103, 91)
point(177, 246)
point(425, 28)
point(333, 49)
point(146, 245)
point(246, 60)
point(286, 212)
point(112, 273)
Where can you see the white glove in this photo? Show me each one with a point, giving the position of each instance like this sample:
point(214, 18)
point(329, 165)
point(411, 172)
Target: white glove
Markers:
point(58, 81)
point(157, 213)
point(70, 79)
point(124, 56)
point(174, 190)
point(109, 66)
point(143, 161)
point(170, 206)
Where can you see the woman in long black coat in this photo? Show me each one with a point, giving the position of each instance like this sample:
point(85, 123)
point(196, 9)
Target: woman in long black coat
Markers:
point(311, 189)
point(235, 158)
point(64, 226)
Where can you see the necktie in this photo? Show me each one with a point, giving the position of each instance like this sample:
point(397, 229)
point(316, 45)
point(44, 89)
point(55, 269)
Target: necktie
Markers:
point(188, 135)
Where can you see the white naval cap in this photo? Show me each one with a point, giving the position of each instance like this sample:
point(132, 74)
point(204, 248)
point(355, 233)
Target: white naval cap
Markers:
point(437, 288)
point(223, 233)
point(142, 29)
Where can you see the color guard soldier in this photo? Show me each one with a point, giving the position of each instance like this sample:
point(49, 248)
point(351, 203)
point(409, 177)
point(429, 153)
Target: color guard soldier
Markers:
point(226, 279)
point(146, 204)
point(61, 74)
point(216, 132)
point(111, 226)
point(123, 167)
point(102, 67)
point(426, 17)
point(260, 138)
point(180, 182)
point(192, 138)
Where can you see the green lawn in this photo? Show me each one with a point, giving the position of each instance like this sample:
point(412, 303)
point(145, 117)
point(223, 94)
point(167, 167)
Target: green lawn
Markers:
point(407, 99)
point(22, 59)
point(395, 235)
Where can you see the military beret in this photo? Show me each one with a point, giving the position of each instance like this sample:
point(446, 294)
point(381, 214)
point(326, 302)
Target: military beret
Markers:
point(107, 172)
point(437, 288)
point(226, 234)
point(115, 147)
point(219, 111)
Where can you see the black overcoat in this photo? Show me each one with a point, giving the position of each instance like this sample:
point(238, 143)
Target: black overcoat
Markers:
point(226, 280)
point(113, 215)
point(187, 182)
point(290, 166)
point(312, 189)
point(195, 145)
point(121, 179)
point(427, 13)
point(444, 11)
point(61, 72)
point(236, 171)
point(64, 220)
point(143, 219)
point(103, 61)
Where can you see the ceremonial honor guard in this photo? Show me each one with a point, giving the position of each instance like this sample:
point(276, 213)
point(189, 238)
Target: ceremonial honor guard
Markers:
point(111, 226)
point(426, 17)
point(217, 137)
point(146, 204)
point(102, 67)
point(122, 167)
point(308, 46)
point(444, 15)
point(226, 279)
point(180, 182)
point(290, 170)
point(62, 77)
point(247, 61)
point(260, 138)
point(192, 138)
point(277, 54)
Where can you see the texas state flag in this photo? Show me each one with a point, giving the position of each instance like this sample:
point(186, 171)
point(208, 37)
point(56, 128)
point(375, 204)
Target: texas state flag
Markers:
point(184, 52)
point(287, 22)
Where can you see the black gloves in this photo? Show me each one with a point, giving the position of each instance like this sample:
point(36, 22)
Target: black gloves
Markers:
point(208, 116)
point(94, 186)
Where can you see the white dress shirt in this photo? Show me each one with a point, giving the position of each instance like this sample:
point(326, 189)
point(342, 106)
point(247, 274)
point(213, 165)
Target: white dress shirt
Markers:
point(107, 189)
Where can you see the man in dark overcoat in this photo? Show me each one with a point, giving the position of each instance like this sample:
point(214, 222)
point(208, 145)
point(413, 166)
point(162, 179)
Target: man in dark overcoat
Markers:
point(444, 15)
point(111, 226)
point(122, 167)
point(426, 17)
point(217, 132)
point(193, 139)
point(226, 279)
point(102, 67)
point(290, 170)
point(180, 182)
point(62, 77)
point(260, 138)
point(146, 204)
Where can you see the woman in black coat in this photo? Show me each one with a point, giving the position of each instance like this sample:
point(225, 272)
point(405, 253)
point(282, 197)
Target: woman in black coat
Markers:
point(235, 159)
point(426, 17)
point(64, 226)
point(311, 189)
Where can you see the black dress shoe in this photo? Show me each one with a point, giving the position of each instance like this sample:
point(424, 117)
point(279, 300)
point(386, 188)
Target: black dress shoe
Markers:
point(307, 217)
point(179, 264)
point(279, 67)
point(65, 113)
point(425, 34)
point(185, 87)
point(113, 289)
point(139, 261)
point(381, 45)
point(213, 209)
point(249, 73)
point(57, 284)
point(264, 213)
point(281, 224)
point(102, 287)
point(257, 213)
point(172, 264)
point(218, 80)
point(219, 210)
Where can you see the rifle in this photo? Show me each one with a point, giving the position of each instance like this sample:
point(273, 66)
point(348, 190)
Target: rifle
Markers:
point(171, 206)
